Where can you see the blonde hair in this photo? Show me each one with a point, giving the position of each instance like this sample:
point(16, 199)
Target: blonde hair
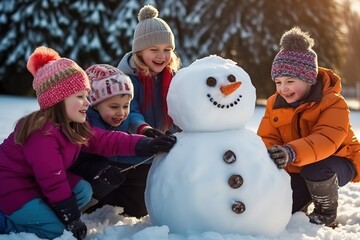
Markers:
point(174, 63)
point(77, 133)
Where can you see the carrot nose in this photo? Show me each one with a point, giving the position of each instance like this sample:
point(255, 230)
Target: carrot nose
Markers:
point(230, 88)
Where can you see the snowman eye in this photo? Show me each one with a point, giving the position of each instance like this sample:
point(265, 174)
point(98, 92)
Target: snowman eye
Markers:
point(211, 82)
point(231, 78)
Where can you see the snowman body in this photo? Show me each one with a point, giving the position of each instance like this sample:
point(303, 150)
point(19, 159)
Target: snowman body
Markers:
point(218, 176)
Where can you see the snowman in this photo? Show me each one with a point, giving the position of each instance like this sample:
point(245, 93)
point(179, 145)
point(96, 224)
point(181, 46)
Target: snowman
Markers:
point(218, 176)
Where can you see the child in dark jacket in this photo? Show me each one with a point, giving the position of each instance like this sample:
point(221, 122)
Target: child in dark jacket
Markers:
point(36, 157)
point(151, 66)
point(110, 97)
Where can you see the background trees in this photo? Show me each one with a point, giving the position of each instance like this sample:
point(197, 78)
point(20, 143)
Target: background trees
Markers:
point(247, 31)
point(351, 67)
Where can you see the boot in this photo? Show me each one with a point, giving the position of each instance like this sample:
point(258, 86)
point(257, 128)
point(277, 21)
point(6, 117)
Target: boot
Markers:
point(325, 197)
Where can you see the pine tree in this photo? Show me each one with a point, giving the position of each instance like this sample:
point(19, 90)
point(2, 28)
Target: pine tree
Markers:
point(101, 31)
point(25, 25)
point(351, 67)
point(249, 32)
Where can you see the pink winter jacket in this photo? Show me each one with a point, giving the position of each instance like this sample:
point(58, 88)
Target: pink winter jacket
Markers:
point(40, 167)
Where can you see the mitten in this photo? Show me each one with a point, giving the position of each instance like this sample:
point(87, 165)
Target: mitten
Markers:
point(111, 175)
point(152, 132)
point(147, 147)
point(282, 155)
point(68, 212)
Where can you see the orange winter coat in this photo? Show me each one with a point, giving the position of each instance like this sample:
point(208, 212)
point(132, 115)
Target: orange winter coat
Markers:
point(316, 129)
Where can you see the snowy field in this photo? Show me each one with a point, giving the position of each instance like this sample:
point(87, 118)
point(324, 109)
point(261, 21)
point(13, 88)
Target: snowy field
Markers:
point(107, 224)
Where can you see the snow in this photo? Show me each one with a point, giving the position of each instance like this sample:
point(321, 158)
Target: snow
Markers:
point(107, 224)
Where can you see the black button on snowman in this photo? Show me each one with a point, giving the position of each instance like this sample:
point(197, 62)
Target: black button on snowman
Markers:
point(218, 177)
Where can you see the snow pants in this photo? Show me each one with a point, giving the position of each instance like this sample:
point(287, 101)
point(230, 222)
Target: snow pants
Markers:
point(319, 171)
point(37, 217)
point(88, 166)
point(131, 194)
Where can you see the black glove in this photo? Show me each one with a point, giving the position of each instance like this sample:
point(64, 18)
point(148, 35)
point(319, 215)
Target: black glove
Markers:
point(111, 175)
point(68, 212)
point(152, 132)
point(147, 147)
point(282, 155)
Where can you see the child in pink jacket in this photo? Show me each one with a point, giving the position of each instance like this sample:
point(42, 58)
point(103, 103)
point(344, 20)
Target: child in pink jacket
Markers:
point(36, 157)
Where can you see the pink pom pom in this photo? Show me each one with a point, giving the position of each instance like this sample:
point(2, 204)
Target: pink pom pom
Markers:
point(41, 56)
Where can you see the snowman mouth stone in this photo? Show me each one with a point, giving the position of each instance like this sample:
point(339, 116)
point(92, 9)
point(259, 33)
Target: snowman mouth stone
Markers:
point(219, 105)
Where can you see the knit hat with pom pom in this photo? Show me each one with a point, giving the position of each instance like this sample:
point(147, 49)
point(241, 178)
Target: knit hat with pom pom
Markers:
point(296, 58)
point(55, 78)
point(107, 81)
point(151, 30)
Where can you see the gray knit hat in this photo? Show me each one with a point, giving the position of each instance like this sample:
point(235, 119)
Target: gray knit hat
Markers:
point(151, 30)
point(296, 57)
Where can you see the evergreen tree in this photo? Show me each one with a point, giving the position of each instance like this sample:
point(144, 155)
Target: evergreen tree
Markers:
point(351, 67)
point(25, 25)
point(101, 31)
point(249, 32)
point(87, 40)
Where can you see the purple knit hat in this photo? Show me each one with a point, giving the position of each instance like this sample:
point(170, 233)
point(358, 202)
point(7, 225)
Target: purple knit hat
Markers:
point(107, 81)
point(296, 58)
point(55, 78)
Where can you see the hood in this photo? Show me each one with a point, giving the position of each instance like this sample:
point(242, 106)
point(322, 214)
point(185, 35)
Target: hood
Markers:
point(126, 64)
point(331, 81)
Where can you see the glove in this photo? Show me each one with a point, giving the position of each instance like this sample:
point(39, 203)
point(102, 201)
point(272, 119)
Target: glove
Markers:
point(111, 175)
point(152, 132)
point(68, 212)
point(282, 155)
point(147, 147)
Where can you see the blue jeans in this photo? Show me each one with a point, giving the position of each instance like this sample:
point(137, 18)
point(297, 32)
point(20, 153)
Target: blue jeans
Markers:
point(319, 171)
point(37, 217)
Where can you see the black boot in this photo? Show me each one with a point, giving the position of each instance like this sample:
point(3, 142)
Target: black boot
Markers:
point(325, 197)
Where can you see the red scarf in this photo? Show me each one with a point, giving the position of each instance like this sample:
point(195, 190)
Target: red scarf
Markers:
point(148, 85)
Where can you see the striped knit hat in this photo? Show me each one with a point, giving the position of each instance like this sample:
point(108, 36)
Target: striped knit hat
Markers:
point(107, 81)
point(55, 78)
point(151, 30)
point(296, 58)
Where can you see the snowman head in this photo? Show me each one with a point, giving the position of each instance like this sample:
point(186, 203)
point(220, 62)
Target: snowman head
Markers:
point(211, 94)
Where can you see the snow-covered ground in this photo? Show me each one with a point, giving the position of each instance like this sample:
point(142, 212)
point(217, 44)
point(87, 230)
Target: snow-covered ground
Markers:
point(107, 224)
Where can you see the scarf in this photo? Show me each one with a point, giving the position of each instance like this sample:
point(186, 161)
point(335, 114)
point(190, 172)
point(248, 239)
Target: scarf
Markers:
point(148, 85)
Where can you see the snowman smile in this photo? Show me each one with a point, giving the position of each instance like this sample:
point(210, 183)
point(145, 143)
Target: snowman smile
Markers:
point(220, 105)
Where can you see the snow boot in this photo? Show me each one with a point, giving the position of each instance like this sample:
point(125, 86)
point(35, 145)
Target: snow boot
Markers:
point(325, 198)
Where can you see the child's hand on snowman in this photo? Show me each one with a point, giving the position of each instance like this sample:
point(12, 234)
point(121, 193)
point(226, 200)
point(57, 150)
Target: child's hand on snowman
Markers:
point(282, 155)
point(152, 132)
point(147, 147)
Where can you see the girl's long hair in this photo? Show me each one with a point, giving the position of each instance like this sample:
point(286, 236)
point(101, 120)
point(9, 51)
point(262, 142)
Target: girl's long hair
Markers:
point(78, 133)
point(147, 81)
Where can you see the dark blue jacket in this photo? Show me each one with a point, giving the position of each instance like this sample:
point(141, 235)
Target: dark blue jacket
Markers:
point(95, 119)
point(154, 115)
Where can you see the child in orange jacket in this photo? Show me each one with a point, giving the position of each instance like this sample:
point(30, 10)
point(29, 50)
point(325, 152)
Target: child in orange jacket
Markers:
point(307, 130)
